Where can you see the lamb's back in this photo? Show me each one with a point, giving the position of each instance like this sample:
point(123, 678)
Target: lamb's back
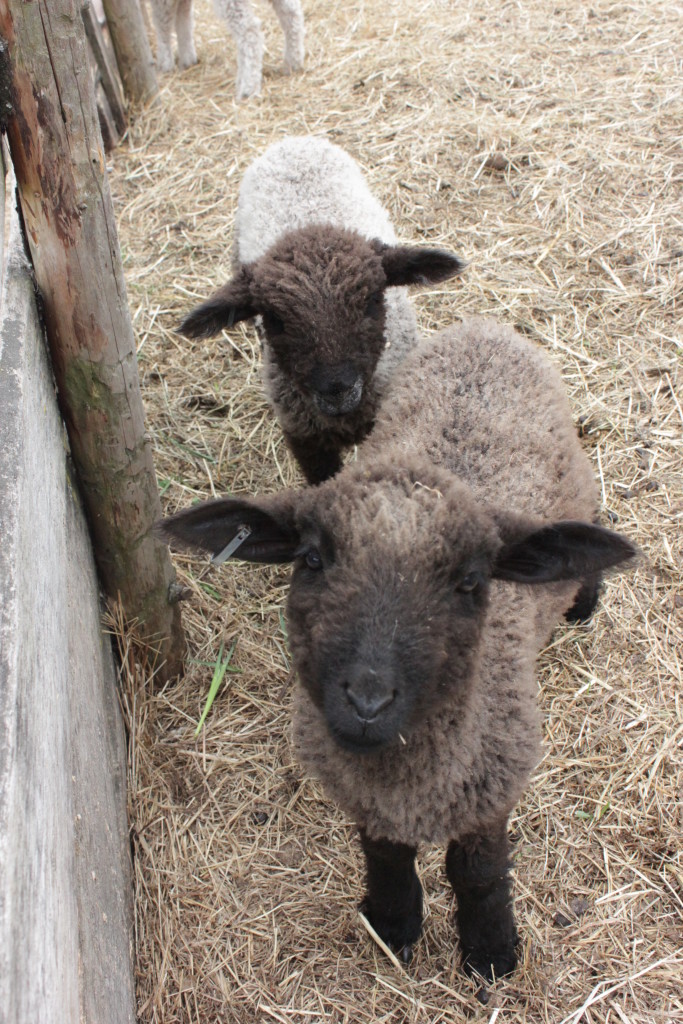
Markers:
point(299, 181)
point(487, 404)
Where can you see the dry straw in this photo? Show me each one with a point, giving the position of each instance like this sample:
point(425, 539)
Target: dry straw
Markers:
point(538, 140)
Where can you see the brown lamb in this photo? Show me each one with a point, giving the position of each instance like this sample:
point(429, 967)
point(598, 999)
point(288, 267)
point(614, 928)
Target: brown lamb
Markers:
point(427, 577)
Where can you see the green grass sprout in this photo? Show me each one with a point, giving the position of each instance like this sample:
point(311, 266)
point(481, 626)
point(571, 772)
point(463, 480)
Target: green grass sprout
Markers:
point(219, 670)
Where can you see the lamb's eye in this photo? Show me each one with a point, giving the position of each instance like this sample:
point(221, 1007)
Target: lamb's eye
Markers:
point(273, 324)
point(471, 582)
point(373, 306)
point(313, 559)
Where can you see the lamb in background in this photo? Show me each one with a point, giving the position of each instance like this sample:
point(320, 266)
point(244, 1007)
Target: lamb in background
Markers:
point(317, 261)
point(427, 576)
point(245, 28)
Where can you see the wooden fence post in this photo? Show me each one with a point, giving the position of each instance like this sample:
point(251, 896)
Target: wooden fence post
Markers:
point(131, 46)
point(57, 153)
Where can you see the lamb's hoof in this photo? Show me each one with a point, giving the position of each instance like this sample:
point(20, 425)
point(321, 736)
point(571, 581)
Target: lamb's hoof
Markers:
point(399, 934)
point(165, 64)
point(292, 64)
point(247, 86)
point(187, 61)
point(490, 965)
point(584, 603)
point(241, 96)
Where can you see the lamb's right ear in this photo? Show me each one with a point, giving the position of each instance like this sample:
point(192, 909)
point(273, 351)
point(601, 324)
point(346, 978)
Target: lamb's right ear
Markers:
point(227, 306)
point(416, 264)
point(251, 530)
point(567, 550)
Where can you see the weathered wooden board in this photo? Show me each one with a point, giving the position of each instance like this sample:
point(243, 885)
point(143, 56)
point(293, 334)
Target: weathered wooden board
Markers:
point(65, 878)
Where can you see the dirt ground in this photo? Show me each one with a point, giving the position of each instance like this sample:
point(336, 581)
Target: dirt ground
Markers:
point(538, 141)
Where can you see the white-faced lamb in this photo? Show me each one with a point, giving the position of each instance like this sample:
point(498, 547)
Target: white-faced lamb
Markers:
point(427, 576)
point(245, 28)
point(318, 263)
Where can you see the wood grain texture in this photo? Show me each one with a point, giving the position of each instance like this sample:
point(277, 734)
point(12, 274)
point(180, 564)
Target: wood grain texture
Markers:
point(132, 49)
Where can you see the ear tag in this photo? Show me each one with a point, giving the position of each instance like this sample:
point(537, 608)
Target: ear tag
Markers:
point(231, 548)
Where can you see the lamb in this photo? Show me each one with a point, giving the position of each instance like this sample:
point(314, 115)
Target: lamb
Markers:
point(244, 26)
point(318, 263)
point(427, 576)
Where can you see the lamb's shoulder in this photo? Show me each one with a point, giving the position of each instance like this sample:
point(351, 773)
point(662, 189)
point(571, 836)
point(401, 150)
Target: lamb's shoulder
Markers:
point(489, 406)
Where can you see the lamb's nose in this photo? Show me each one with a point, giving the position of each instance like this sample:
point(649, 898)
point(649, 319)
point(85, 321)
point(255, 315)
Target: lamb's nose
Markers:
point(332, 381)
point(369, 705)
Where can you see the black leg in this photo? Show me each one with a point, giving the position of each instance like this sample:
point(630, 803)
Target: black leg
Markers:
point(318, 460)
point(585, 601)
point(477, 868)
point(393, 901)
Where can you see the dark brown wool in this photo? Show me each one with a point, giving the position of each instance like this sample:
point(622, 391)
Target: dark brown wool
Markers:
point(496, 417)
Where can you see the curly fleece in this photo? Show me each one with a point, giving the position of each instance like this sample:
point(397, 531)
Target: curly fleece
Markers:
point(481, 407)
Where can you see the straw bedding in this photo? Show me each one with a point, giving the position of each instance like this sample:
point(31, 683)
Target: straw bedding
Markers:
point(539, 142)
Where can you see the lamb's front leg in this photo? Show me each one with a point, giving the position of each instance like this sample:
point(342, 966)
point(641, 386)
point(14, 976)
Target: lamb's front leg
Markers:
point(246, 30)
point(184, 28)
point(291, 19)
point(478, 869)
point(319, 460)
point(393, 900)
point(162, 16)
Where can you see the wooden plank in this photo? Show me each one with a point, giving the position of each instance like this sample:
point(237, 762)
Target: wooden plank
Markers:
point(108, 75)
point(2, 208)
point(65, 873)
point(110, 136)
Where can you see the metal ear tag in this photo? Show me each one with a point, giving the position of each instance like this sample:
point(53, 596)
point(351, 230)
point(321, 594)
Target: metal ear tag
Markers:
point(231, 548)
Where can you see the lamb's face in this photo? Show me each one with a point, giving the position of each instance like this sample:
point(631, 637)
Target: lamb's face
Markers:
point(320, 295)
point(392, 562)
point(387, 601)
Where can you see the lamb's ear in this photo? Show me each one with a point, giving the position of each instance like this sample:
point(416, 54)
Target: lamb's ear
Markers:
point(414, 264)
point(562, 551)
point(262, 531)
point(225, 307)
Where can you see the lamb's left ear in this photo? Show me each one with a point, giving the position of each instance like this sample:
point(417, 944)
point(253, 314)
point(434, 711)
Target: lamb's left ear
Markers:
point(412, 264)
point(248, 529)
point(227, 306)
point(562, 551)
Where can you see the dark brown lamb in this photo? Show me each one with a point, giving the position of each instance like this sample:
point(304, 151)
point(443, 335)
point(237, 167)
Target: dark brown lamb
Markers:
point(427, 576)
point(319, 269)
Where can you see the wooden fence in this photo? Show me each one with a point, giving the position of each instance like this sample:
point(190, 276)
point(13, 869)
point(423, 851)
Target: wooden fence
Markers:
point(65, 872)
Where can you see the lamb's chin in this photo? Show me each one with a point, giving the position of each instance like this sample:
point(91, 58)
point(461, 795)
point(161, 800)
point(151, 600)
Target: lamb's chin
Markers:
point(364, 742)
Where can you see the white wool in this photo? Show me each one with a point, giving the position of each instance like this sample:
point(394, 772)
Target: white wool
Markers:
point(300, 181)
